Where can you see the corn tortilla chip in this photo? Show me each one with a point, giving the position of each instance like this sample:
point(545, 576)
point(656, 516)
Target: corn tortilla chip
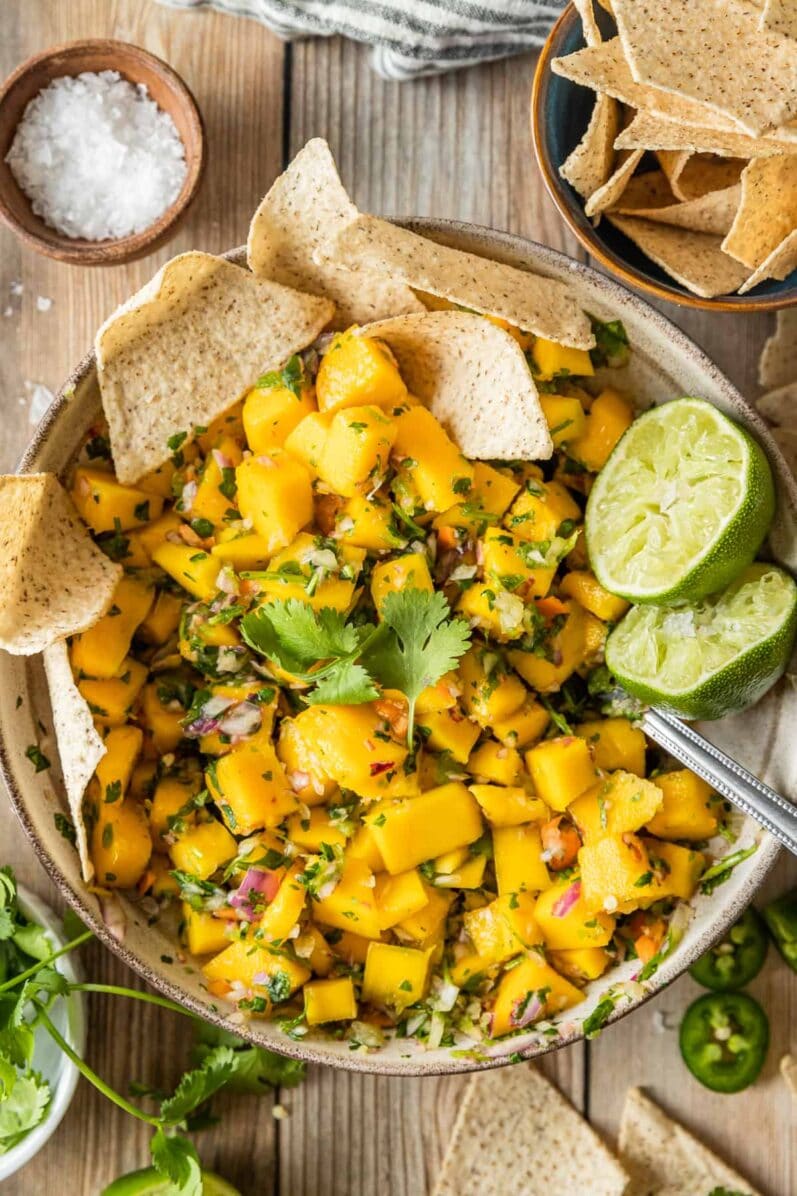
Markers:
point(516, 1135)
point(650, 190)
point(779, 406)
point(778, 363)
point(649, 131)
point(780, 16)
point(80, 747)
point(473, 376)
point(713, 213)
point(302, 208)
point(605, 69)
point(592, 34)
point(701, 174)
point(712, 51)
point(185, 348)
point(673, 163)
point(768, 209)
point(54, 580)
point(589, 165)
point(612, 190)
point(536, 304)
point(779, 264)
point(662, 1156)
point(693, 259)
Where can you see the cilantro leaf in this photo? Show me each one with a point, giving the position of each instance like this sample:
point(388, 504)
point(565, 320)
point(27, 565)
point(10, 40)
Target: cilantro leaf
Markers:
point(256, 1069)
point(175, 1159)
point(291, 376)
point(24, 1109)
point(611, 343)
point(346, 685)
point(8, 1077)
point(295, 636)
point(426, 643)
point(198, 1085)
point(32, 940)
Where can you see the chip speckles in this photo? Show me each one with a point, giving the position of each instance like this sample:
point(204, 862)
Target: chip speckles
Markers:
point(54, 581)
point(649, 131)
point(186, 347)
point(693, 259)
point(768, 209)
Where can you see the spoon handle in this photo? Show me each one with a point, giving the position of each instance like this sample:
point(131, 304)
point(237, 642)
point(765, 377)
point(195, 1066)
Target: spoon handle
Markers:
point(751, 796)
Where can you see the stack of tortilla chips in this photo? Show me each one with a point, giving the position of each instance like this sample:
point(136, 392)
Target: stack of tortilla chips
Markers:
point(691, 150)
point(777, 374)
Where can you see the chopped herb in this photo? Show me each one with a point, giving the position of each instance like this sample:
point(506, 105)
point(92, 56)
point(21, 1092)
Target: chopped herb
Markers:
point(37, 757)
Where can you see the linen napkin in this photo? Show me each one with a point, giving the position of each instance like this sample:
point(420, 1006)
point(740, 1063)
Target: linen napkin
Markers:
point(410, 38)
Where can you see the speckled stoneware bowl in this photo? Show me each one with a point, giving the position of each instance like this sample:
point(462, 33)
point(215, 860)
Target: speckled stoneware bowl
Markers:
point(665, 364)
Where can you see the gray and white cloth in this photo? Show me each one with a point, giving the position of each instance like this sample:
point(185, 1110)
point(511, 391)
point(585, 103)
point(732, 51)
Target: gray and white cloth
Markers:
point(409, 37)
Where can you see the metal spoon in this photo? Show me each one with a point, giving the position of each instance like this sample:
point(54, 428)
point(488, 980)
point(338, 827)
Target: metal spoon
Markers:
point(753, 797)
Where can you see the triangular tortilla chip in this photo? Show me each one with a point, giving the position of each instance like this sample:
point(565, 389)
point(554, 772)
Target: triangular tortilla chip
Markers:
point(778, 363)
point(649, 131)
point(779, 405)
point(612, 190)
point(768, 209)
point(54, 580)
point(703, 173)
point(663, 1157)
point(650, 190)
point(536, 304)
point(79, 744)
point(780, 16)
point(516, 1135)
point(779, 264)
point(712, 51)
point(605, 69)
point(693, 259)
point(672, 163)
point(592, 33)
point(474, 378)
point(589, 165)
point(305, 205)
point(713, 213)
point(186, 347)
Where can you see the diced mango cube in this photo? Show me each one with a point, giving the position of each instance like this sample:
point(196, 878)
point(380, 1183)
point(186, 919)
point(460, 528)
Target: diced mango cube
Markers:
point(616, 874)
point(552, 360)
point(399, 897)
point(467, 875)
point(203, 848)
point(99, 652)
point(490, 692)
point(271, 413)
point(120, 843)
point(498, 613)
point(267, 973)
point(204, 934)
point(285, 909)
point(493, 762)
point(329, 1001)
point(196, 570)
point(504, 928)
point(506, 564)
point(356, 450)
point(582, 585)
point(529, 992)
point(561, 770)
point(113, 773)
point(352, 903)
point(410, 572)
point(540, 509)
point(438, 469)
point(678, 869)
point(163, 618)
point(162, 717)
point(369, 523)
point(581, 964)
point(215, 494)
point(250, 788)
point(567, 650)
point(517, 856)
point(356, 370)
point(312, 831)
point(352, 745)
point(688, 809)
point(524, 727)
point(616, 744)
point(493, 490)
point(426, 927)
point(172, 800)
point(306, 441)
point(508, 805)
point(395, 977)
point(609, 416)
point(566, 922)
point(110, 700)
point(276, 493)
point(412, 830)
point(449, 731)
point(622, 802)
point(106, 505)
point(564, 416)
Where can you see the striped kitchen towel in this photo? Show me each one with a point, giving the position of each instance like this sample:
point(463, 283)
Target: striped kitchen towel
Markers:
point(409, 37)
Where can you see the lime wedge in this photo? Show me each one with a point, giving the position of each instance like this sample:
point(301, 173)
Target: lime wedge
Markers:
point(713, 657)
point(681, 507)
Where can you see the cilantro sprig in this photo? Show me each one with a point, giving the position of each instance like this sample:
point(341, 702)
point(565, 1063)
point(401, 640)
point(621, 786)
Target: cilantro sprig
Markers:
point(414, 645)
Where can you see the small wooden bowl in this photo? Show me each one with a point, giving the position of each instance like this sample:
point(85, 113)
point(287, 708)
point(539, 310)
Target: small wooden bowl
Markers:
point(168, 91)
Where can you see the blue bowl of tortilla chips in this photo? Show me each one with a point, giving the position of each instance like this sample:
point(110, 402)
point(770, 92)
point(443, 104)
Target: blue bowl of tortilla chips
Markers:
point(691, 201)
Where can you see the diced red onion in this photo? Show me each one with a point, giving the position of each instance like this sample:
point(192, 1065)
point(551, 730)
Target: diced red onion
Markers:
point(226, 581)
point(188, 495)
point(255, 880)
point(243, 719)
point(221, 459)
point(563, 906)
point(533, 1007)
point(298, 780)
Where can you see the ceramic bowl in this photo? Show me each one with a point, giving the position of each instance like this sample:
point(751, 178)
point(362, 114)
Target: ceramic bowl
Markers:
point(560, 113)
point(60, 1073)
point(165, 87)
point(665, 364)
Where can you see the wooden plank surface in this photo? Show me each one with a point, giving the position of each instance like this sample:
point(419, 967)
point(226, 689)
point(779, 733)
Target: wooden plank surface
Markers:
point(456, 146)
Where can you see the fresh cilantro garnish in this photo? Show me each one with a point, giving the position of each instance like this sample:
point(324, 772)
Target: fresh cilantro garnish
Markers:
point(611, 343)
point(290, 376)
point(718, 873)
point(37, 757)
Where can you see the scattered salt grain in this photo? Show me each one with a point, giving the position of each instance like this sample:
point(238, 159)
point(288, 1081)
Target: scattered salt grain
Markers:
point(43, 303)
point(16, 287)
point(279, 1112)
point(97, 157)
point(40, 399)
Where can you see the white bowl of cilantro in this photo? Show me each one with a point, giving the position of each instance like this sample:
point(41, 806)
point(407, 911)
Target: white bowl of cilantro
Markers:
point(34, 1100)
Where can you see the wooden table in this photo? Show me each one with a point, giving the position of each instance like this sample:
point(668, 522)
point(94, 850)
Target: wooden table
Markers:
point(456, 146)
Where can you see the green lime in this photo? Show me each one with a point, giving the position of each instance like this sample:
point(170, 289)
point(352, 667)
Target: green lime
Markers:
point(681, 506)
point(713, 657)
point(149, 1182)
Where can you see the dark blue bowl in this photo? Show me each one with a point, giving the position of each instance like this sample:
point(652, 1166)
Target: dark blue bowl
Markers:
point(560, 113)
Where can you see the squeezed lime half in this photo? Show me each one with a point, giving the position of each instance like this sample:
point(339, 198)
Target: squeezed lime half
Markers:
point(713, 657)
point(681, 507)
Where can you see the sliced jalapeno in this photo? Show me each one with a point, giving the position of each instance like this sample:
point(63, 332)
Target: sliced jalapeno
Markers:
point(781, 918)
point(737, 958)
point(724, 1038)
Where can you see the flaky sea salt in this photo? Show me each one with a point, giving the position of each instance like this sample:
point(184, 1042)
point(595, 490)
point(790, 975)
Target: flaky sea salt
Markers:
point(97, 158)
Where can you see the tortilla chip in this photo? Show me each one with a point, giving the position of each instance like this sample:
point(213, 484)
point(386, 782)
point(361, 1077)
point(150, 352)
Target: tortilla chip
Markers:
point(650, 190)
point(185, 348)
point(779, 264)
point(780, 16)
point(693, 259)
point(305, 205)
point(649, 131)
point(516, 1135)
point(662, 1156)
point(605, 69)
point(778, 363)
point(779, 405)
point(592, 34)
point(54, 580)
point(672, 163)
point(589, 165)
point(701, 174)
point(536, 304)
point(473, 376)
point(768, 209)
point(712, 51)
point(79, 744)
point(612, 190)
point(713, 213)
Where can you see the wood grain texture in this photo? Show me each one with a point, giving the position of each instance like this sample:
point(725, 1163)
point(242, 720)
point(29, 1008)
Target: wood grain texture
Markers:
point(456, 146)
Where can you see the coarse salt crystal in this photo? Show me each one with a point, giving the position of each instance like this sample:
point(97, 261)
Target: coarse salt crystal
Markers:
point(97, 158)
point(43, 303)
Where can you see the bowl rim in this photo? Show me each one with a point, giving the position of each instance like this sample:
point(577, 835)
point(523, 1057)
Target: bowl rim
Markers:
point(556, 189)
point(113, 251)
point(378, 1063)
